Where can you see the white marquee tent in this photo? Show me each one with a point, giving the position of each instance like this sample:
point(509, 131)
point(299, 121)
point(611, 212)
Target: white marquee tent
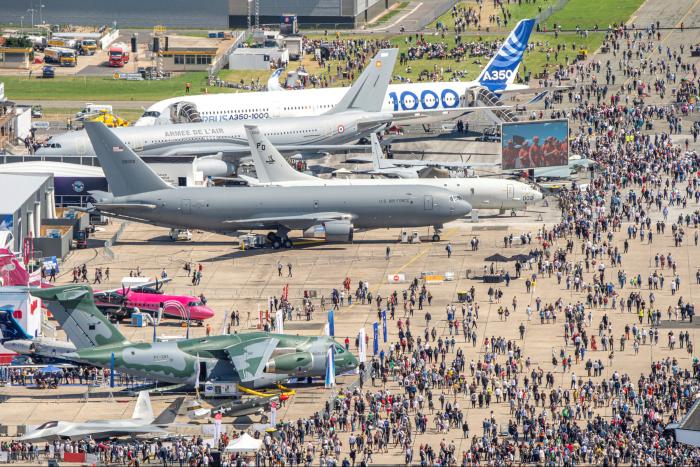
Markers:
point(245, 443)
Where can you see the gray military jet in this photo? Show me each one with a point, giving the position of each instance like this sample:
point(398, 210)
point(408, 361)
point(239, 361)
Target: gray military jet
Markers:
point(139, 194)
point(142, 422)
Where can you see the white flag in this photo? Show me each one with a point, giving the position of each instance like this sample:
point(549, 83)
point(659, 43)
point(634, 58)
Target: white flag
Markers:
point(330, 369)
point(279, 322)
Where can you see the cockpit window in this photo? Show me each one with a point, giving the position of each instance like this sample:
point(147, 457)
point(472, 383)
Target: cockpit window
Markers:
point(338, 349)
point(46, 425)
point(197, 303)
point(55, 145)
point(151, 113)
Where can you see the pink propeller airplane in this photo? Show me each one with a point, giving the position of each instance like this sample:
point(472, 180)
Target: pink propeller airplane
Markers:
point(118, 304)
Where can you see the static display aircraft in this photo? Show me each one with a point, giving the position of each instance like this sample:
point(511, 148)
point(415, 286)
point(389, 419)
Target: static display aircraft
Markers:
point(119, 303)
point(223, 144)
point(498, 77)
point(405, 168)
point(139, 194)
point(255, 359)
point(273, 170)
point(142, 422)
point(13, 337)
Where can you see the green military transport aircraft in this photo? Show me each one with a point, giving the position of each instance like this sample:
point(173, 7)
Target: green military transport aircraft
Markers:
point(253, 359)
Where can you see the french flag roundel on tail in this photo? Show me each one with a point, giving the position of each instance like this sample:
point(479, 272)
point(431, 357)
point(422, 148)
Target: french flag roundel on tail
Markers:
point(502, 68)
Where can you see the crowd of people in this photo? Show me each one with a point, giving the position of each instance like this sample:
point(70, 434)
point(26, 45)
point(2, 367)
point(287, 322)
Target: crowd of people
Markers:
point(436, 375)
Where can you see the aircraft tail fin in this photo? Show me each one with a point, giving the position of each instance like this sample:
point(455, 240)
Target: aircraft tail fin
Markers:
point(270, 165)
point(126, 173)
point(273, 84)
point(503, 66)
point(377, 153)
point(168, 415)
point(368, 91)
point(143, 409)
point(10, 329)
point(74, 308)
point(13, 273)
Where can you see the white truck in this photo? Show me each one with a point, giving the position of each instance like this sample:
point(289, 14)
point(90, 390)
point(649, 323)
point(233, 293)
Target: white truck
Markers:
point(91, 110)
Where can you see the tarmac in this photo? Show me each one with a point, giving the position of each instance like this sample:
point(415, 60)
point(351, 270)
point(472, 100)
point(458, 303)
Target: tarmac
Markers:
point(244, 280)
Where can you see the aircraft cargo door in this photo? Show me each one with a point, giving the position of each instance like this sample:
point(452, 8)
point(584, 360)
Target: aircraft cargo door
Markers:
point(186, 206)
point(428, 200)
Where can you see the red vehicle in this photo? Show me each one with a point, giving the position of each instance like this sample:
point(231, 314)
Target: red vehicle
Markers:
point(118, 55)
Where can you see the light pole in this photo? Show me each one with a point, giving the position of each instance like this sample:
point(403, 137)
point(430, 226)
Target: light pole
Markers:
point(32, 10)
point(41, 17)
point(21, 24)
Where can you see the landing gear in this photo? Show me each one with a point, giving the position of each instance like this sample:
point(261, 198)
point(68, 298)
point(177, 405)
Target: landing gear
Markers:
point(437, 229)
point(279, 239)
point(512, 213)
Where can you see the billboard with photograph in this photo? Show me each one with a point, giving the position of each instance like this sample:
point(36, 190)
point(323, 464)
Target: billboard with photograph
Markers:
point(529, 145)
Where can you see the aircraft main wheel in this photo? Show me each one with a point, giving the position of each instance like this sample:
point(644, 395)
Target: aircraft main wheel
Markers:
point(436, 238)
point(276, 243)
point(271, 236)
point(287, 243)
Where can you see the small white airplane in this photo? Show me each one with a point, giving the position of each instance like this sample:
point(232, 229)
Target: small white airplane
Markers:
point(142, 422)
point(407, 168)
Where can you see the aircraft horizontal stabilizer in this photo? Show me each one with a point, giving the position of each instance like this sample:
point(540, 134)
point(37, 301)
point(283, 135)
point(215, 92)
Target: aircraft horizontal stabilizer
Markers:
point(106, 206)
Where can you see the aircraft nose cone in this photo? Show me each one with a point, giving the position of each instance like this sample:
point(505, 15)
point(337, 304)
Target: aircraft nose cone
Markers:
point(462, 208)
point(204, 312)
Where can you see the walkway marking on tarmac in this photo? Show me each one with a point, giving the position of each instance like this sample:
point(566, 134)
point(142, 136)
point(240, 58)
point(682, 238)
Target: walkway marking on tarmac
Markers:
point(398, 20)
point(671, 31)
point(422, 253)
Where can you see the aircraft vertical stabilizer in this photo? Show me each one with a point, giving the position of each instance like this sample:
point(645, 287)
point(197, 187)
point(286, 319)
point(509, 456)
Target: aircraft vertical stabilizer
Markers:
point(126, 173)
point(74, 308)
point(143, 409)
point(377, 153)
point(270, 165)
point(503, 66)
point(368, 91)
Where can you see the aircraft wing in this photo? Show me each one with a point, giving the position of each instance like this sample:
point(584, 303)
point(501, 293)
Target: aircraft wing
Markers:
point(234, 152)
point(250, 356)
point(447, 165)
point(109, 429)
point(300, 221)
point(358, 160)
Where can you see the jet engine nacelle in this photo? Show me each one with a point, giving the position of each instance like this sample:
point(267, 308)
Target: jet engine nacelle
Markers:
point(213, 167)
point(338, 231)
point(290, 363)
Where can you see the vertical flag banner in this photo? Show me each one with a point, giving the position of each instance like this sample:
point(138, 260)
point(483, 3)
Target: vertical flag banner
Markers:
point(111, 371)
point(362, 340)
point(376, 337)
point(273, 414)
point(279, 322)
point(331, 324)
point(384, 330)
point(330, 369)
